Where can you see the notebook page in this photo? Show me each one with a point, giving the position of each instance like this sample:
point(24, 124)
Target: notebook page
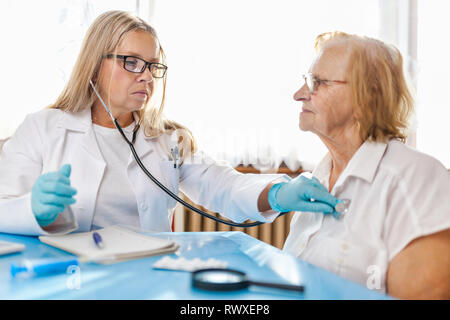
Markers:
point(119, 242)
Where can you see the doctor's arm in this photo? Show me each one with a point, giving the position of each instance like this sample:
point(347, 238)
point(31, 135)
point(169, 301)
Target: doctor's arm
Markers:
point(220, 188)
point(263, 199)
point(20, 166)
point(24, 195)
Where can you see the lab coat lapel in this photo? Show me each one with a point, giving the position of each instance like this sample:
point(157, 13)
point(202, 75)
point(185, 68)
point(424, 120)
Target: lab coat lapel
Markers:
point(88, 166)
point(153, 204)
point(82, 122)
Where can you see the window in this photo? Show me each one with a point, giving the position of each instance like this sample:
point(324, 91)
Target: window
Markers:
point(233, 65)
point(433, 106)
point(40, 42)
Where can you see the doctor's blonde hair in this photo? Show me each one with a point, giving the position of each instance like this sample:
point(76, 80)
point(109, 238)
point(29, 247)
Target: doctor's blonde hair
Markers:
point(104, 36)
point(379, 89)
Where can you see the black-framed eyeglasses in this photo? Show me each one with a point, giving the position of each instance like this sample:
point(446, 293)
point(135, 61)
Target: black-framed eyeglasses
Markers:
point(313, 82)
point(138, 65)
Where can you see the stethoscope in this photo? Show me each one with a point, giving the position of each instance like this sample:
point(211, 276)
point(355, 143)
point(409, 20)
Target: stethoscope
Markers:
point(159, 184)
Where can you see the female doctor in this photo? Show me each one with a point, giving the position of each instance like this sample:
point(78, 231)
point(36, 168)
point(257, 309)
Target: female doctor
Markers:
point(68, 168)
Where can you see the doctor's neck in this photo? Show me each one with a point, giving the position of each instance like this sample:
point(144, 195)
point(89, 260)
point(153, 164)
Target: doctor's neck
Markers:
point(100, 117)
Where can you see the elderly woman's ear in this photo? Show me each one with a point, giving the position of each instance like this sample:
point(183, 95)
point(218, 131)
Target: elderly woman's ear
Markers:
point(357, 114)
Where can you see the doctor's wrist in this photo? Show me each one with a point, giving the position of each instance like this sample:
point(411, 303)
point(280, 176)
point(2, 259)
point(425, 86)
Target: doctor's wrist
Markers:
point(273, 197)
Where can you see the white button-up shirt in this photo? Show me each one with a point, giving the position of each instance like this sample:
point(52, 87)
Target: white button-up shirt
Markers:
point(397, 194)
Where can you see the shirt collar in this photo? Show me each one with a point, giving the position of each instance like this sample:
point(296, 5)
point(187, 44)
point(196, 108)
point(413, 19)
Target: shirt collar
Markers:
point(363, 164)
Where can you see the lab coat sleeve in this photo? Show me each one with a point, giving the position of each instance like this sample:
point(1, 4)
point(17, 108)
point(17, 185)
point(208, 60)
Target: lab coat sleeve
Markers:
point(20, 166)
point(219, 188)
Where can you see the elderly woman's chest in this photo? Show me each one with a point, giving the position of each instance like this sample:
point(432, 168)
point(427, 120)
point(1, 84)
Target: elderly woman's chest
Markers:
point(352, 246)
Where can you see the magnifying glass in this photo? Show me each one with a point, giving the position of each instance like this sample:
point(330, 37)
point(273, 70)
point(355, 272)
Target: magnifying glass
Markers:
point(215, 279)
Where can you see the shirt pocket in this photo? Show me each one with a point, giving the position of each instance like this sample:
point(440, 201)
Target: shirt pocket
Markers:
point(171, 178)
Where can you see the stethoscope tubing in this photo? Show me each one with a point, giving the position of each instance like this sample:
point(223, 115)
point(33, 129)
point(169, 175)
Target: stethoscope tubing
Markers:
point(159, 184)
point(174, 196)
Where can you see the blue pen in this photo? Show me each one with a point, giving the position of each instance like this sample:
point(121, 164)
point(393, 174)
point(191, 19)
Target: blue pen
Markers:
point(98, 240)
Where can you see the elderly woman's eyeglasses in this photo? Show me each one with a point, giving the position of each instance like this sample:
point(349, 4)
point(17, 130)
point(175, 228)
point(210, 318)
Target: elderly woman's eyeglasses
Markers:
point(313, 82)
point(137, 65)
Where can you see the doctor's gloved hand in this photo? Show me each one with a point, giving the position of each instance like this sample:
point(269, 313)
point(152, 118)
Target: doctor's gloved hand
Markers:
point(50, 194)
point(296, 195)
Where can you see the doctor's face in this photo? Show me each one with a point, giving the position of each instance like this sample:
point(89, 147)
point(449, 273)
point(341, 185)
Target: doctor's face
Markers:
point(124, 91)
point(328, 110)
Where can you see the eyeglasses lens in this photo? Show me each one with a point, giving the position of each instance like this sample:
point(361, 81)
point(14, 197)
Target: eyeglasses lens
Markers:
point(309, 79)
point(137, 65)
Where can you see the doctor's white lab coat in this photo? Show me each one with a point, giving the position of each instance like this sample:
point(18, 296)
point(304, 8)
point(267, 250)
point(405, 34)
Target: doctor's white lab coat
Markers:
point(50, 138)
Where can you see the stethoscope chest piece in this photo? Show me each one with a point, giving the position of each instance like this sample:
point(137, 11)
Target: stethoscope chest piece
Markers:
point(342, 207)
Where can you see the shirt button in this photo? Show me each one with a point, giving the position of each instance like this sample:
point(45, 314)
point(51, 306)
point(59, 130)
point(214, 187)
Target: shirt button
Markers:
point(303, 245)
point(143, 206)
point(344, 246)
point(341, 261)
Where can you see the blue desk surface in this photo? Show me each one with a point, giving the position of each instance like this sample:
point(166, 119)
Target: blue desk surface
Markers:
point(136, 279)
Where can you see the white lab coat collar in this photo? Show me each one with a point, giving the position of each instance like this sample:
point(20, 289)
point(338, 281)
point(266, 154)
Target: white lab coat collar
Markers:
point(76, 121)
point(82, 122)
point(363, 164)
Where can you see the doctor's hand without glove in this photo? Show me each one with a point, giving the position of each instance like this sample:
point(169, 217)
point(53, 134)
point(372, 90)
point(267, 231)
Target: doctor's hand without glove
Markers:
point(50, 194)
point(296, 195)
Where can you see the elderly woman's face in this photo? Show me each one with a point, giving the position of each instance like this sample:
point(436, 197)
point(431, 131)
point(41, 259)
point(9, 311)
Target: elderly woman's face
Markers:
point(327, 111)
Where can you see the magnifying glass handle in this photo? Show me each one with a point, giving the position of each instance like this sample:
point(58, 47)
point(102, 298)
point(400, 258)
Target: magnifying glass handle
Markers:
point(278, 286)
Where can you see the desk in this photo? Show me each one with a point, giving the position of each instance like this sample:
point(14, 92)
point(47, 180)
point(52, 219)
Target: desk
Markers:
point(136, 279)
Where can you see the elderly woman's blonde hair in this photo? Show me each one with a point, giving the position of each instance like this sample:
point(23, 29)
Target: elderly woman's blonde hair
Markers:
point(379, 89)
point(103, 37)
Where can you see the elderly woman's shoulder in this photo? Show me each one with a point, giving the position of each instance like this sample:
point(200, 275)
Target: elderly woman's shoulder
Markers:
point(401, 158)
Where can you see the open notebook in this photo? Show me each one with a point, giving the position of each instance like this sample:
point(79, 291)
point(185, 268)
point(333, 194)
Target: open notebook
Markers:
point(119, 244)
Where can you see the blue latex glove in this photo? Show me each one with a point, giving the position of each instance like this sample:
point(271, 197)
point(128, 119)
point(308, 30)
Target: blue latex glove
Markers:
point(296, 195)
point(50, 194)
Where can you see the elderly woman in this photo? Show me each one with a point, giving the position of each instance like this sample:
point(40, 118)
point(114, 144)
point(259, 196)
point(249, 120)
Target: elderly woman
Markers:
point(395, 236)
